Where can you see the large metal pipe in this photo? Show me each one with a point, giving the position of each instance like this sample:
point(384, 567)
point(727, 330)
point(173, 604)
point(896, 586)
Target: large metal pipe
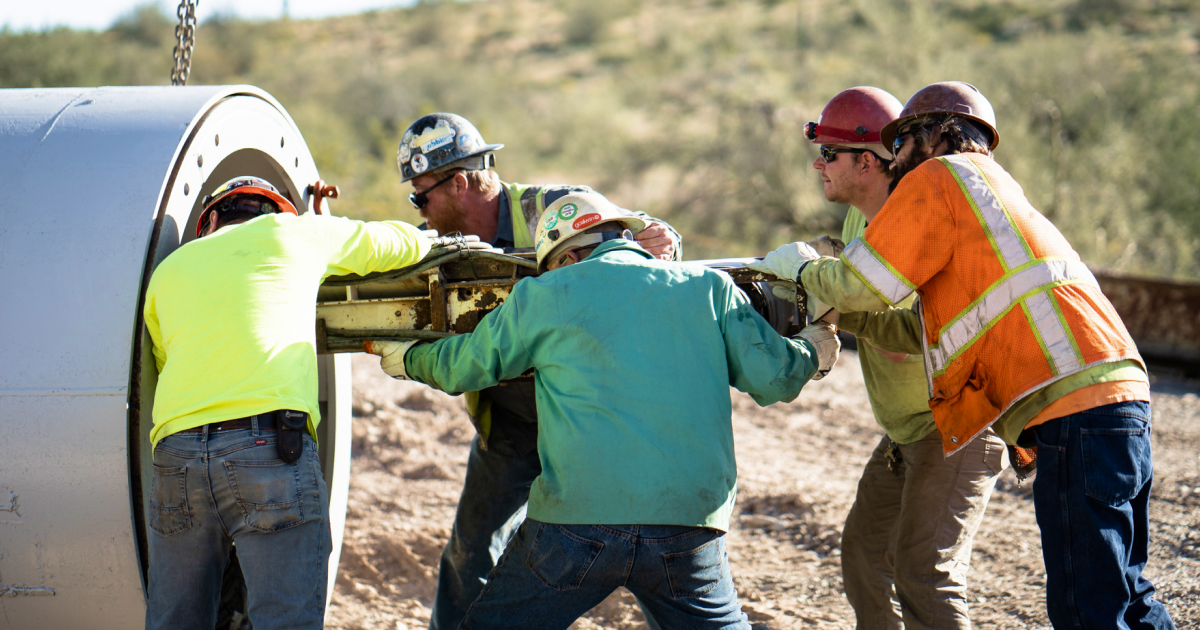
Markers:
point(97, 186)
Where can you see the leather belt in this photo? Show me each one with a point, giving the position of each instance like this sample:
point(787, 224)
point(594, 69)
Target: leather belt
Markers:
point(266, 421)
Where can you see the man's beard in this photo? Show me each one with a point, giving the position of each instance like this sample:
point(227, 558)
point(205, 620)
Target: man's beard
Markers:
point(903, 166)
point(452, 218)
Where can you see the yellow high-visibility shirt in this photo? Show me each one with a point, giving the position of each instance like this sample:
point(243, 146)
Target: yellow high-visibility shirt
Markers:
point(232, 315)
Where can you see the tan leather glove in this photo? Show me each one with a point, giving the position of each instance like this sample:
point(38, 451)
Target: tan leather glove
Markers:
point(823, 337)
point(393, 355)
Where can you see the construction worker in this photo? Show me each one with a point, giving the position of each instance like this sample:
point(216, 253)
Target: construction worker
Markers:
point(230, 316)
point(456, 190)
point(1015, 336)
point(906, 545)
point(638, 479)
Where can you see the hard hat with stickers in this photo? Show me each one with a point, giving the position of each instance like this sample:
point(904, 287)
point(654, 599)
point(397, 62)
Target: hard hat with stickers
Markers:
point(439, 141)
point(563, 225)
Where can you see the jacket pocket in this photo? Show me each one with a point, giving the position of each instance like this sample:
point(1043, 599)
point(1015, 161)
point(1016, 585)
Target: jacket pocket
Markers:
point(267, 492)
point(169, 512)
point(561, 559)
point(695, 573)
point(1116, 459)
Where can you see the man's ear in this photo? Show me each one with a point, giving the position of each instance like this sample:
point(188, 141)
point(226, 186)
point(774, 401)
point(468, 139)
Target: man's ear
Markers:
point(461, 184)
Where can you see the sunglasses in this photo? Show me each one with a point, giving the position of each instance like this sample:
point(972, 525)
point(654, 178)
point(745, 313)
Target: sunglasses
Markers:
point(246, 203)
point(898, 141)
point(420, 200)
point(829, 154)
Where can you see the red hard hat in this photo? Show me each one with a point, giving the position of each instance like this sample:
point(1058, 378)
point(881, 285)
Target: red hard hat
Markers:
point(854, 118)
point(245, 185)
point(951, 97)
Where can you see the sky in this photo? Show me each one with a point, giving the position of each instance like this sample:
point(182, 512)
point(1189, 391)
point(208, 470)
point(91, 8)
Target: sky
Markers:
point(22, 15)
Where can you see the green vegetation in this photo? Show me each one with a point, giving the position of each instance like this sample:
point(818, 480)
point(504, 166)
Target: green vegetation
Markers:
point(692, 110)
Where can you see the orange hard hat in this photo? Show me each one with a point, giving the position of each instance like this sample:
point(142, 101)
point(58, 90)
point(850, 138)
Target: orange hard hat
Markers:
point(854, 118)
point(950, 97)
point(244, 185)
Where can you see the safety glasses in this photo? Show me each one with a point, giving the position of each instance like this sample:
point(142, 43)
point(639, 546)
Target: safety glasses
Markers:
point(247, 203)
point(829, 154)
point(898, 141)
point(419, 200)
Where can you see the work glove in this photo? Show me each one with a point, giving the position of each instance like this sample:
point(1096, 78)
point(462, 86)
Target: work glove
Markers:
point(823, 337)
point(790, 258)
point(393, 355)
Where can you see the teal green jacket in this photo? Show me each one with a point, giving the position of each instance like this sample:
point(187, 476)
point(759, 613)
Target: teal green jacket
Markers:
point(634, 359)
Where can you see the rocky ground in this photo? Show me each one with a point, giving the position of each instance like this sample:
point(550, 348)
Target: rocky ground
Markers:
point(798, 466)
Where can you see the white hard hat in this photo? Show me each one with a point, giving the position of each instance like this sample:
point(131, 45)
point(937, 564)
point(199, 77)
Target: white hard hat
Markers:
point(563, 224)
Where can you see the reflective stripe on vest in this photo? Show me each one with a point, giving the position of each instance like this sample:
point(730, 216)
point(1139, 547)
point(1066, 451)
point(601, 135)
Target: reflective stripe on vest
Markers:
point(523, 216)
point(876, 272)
point(1029, 287)
point(1006, 240)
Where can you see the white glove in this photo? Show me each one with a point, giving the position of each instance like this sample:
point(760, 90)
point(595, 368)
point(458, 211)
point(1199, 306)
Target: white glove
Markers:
point(823, 337)
point(785, 262)
point(393, 355)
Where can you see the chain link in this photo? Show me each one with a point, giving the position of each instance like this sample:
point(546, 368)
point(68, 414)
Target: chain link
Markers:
point(185, 41)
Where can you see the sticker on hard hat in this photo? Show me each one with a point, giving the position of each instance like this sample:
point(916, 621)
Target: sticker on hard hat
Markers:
point(419, 163)
point(551, 221)
point(568, 211)
point(405, 153)
point(585, 221)
point(434, 138)
point(434, 144)
point(465, 141)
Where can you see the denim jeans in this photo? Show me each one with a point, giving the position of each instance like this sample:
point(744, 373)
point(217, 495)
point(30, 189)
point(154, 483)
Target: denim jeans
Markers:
point(1091, 496)
point(490, 509)
point(551, 574)
point(211, 491)
point(906, 546)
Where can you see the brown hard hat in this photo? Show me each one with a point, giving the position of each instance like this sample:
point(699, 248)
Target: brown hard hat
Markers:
point(854, 118)
point(951, 97)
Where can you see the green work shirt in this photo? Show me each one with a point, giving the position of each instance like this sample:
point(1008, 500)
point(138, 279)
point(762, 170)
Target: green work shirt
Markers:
point(231, 314)
point(634, 359)
point(898, 392)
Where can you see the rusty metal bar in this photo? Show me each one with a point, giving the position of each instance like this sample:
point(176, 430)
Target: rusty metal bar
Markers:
point(1162, 316)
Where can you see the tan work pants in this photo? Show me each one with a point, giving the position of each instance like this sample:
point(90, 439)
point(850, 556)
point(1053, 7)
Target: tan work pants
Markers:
point(906, 546)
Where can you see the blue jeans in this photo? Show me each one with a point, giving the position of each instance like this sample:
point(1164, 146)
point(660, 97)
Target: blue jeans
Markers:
point(490, 509)
point(211, 491)
point(1092, 496)
point(551, 574)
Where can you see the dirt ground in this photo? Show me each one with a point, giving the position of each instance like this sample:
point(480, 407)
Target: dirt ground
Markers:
point(798, 468)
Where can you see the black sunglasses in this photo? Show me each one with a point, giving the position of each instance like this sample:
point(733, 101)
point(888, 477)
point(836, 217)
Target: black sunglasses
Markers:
point(419, 200)
point(829, 154)
point(898, 141)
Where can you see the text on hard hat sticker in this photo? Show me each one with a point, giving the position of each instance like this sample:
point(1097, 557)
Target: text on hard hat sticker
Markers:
point(551, 221)
point(585, 221)
point(568, 211)
point(432, 135)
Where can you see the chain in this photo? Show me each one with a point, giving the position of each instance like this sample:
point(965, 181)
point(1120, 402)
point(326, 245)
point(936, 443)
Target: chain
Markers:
point(185, 41)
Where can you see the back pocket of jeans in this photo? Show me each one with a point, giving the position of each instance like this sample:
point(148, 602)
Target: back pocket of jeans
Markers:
point(561, 559)
point(1116, 461)
point(267, 492)
point(169, 513)
point(697, 572)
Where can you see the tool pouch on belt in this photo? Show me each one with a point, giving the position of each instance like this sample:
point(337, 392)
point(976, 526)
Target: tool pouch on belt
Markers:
point(289, 434)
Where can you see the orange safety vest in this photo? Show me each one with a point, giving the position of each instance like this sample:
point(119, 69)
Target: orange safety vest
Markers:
point(1006, 305)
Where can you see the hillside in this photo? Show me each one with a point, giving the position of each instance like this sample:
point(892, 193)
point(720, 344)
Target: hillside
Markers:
point(691, 110)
